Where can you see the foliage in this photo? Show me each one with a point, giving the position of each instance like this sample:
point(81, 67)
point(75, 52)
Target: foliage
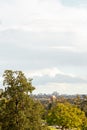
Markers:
point(18, 111)
point(83, 106)
point(51, 128)
point(66, 115)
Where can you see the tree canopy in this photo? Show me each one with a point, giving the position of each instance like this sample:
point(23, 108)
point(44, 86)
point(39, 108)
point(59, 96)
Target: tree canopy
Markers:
point(66, 115)
point(18, 111)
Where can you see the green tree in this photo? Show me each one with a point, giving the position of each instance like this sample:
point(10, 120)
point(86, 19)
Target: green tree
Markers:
point(83, 106)
point(67, 116)
point(18, 111)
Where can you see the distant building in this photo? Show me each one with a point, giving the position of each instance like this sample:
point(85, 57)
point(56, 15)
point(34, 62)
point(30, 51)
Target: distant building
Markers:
point(53, 98)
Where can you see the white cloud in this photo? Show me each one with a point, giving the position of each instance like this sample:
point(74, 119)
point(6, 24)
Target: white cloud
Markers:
point(40, 73)
point(62, 88)
point(66, 48)
point(1, 79)
point(48, 16)
point(43, 34)
point(51, 72)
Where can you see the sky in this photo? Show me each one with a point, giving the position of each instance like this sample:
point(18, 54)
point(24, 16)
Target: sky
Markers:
point(47, 40)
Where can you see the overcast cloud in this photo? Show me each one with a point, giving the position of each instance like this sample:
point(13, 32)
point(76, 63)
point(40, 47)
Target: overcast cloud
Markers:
point(40, 35)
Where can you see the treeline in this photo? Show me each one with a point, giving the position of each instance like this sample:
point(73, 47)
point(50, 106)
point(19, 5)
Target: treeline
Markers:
point(78, 100)
point(20, 110)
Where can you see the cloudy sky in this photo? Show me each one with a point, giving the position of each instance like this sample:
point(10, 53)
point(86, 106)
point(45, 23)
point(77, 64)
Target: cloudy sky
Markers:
point(47, 40)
